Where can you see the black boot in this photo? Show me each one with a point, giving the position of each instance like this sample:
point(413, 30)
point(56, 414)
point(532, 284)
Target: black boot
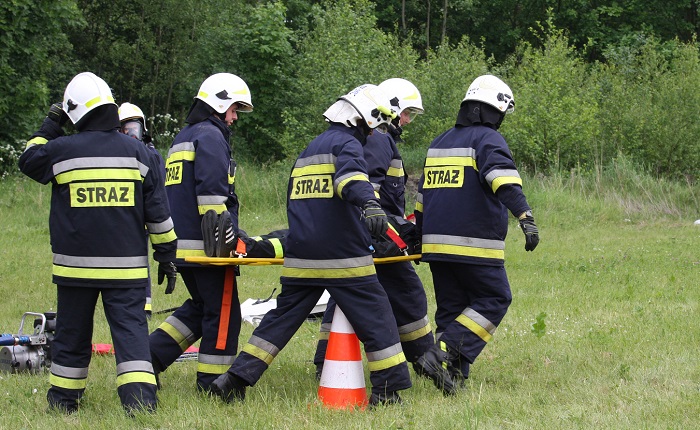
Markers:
point(229, 387)
point(384, 399)
point(434, 365)
point(226, 237)
point(210, 232)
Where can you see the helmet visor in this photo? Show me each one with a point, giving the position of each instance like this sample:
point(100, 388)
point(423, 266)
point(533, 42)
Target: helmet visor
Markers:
point(133, 128)
point(413, 113)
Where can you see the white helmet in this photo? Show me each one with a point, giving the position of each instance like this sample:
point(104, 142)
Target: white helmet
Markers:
point(85, 92)
point(131, 111)
point(492, 91)
point(222, 90)
point(365, 102)
point(404, 95)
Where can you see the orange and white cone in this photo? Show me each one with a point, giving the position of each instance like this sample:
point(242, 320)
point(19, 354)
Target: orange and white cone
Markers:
point(342, 383)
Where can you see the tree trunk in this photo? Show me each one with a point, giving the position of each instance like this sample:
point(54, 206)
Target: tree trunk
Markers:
point(444, 22)
point(427, 29)
point(403, 16)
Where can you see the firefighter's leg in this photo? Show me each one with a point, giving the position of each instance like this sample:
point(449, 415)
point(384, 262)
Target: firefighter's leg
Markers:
point(72, 346)
point(181, 329)
point(368, 310)
point(323, 335)
point(410, 307)
point(136, 383)
point(277, 327)
point(221, 322)
point(486, 297)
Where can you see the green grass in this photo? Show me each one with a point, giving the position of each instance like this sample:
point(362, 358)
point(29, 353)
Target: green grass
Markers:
point(612, 292)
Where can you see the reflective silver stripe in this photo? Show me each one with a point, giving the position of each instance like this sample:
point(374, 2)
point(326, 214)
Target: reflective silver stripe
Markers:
point(181, 328)
point(340, 179)
point(376, 186)
point(410, 327)
point(419, 198)
point(497, 173)
point(341, 263)
point(180, 147)
point(160, 227)
point(453, 152)
point(211, 200)
point(325, 328)
point(134, 366)
point(479, 319)
point(264, 345)
point(190, 244)
point(215, 359)
point(100, 162)
point(473, 242)
point(69, 372)
point(73, 261)
point(315, 159)
point(385, 353)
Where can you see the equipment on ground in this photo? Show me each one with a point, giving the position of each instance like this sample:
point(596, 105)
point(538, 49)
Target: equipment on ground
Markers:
point(29, 352)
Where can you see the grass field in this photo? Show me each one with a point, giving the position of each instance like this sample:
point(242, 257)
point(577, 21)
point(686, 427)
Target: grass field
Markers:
point(603, 331)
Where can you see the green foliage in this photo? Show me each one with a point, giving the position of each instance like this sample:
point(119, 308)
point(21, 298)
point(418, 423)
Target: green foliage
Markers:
point(343, 50)
point(539, 327)
point(34, 59)
point(554, 125)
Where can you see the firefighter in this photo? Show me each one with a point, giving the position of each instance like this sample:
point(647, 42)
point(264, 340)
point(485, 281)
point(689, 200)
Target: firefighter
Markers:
point(200, 177)
point(469, 184)
point(330, 208)
point(100, 179)
point(133, 123)
point(388, 178)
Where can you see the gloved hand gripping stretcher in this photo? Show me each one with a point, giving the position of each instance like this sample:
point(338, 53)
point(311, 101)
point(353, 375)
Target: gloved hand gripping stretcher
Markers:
point(223, 246)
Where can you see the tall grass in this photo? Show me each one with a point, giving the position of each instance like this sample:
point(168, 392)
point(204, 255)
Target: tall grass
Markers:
point(602, 333)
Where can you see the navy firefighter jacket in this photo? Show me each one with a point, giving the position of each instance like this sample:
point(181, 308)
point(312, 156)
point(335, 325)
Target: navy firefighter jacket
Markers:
point(199, 176)
point(468, 184)
point(328, 241)
point(386, 172)
point(104, 190)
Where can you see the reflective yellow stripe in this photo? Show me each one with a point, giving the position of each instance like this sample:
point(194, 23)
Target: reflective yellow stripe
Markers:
point(419, 206)
point(181, 156)
point(393, 171)
point(132, 377)
point(450, 161)
point(218, 208)
point(258, 353)
point(182, 253)
point(70, 384)
point(277, 245)
point(354, 272)
point(344, 182)
point(96, 174)
point(98, 99)
point(314, 169)
point(386, 363)
point(92, 273)
point(36, 141)
point(214, 369)
point(465, 251)
point(163, 237)
point(503, 180)
point(175, 334)
point(416, 334)
point(474, 327)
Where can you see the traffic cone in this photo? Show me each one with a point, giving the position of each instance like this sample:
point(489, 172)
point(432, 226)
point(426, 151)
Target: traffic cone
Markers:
point(342, 383)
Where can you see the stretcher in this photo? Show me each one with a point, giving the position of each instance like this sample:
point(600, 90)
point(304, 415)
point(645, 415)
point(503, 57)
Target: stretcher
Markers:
point(244, 261)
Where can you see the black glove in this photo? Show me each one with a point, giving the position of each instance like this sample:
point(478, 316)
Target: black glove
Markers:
point(167, 269)
point(532, 235)
point(57, 114)
point(375, 218)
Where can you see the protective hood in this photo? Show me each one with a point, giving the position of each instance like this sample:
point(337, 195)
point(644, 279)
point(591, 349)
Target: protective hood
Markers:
point(199, 111)
point(101, 118)
point(478, 113)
